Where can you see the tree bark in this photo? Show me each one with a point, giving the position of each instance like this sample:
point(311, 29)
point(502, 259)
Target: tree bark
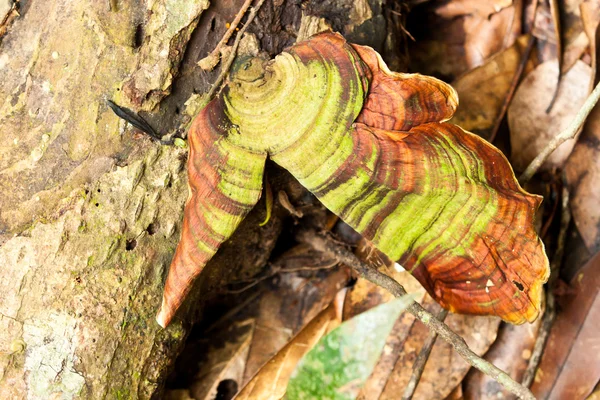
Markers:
point(89, 209)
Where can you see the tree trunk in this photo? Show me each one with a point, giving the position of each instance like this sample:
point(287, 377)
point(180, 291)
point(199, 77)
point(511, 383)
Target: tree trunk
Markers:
point(90, 210)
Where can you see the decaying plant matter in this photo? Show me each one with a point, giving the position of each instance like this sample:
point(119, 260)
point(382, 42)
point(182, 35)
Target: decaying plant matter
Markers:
point(371, 144)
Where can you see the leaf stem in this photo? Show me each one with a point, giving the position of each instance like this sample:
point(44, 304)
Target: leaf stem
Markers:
point(562, 137)
point(330, 247)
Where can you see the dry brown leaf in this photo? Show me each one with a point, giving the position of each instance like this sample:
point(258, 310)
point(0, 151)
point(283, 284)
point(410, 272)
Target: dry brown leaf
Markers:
point(590, 16)
point(465, 36)
point(595, 395)
point(543, 30)
point(363, 296)
point(555, 13)
point(270, 383)
point(462, 7)
point(482, 91)
point(531, 128)
point(456, 394)
point(575, 50)
point(574, 38)
point(570, 366)
point(571, 44)
point(511, 353)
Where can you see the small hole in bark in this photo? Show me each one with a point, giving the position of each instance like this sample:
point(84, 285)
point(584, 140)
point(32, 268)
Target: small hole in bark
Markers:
point(130, 244)
point(97, 204)
point(177, 110)
point(519, 285)
point(226, 390)
point(151, 229)
point(99, 191)
point(212, 24)
point(138, 38)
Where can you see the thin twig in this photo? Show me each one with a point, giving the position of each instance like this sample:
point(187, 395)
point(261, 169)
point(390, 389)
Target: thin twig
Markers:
point(238, 38)
point(419, 365)
point(562, 137)
point(550, 313)
point(326, 245)
point(249, 286)
point(211, 60)
point(513, 88)
point(275, 270)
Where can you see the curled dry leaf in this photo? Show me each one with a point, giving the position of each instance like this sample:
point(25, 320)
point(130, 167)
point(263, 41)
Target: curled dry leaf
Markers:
point(463, 7)
point(531, 128)
point(545, 32)
point(590, 16)
point(482, 91)
point(575, 41)
point(371, 145)
point(466, 34)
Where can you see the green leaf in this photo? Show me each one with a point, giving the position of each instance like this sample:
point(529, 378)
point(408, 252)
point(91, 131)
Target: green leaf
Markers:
point(342, 361)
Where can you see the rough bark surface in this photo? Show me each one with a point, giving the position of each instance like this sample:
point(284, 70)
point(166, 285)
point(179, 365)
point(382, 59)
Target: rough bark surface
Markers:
point(89, 210)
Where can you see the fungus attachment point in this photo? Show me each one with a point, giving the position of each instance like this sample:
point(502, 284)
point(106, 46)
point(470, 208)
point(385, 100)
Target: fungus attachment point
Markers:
point(373, 146)
point(248, 69)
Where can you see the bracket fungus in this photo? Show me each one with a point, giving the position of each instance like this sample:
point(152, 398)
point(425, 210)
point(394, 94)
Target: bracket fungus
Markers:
point(373, 146)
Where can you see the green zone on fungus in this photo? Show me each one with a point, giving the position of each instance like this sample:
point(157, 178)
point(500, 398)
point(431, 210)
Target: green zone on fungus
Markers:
point(373, 146)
